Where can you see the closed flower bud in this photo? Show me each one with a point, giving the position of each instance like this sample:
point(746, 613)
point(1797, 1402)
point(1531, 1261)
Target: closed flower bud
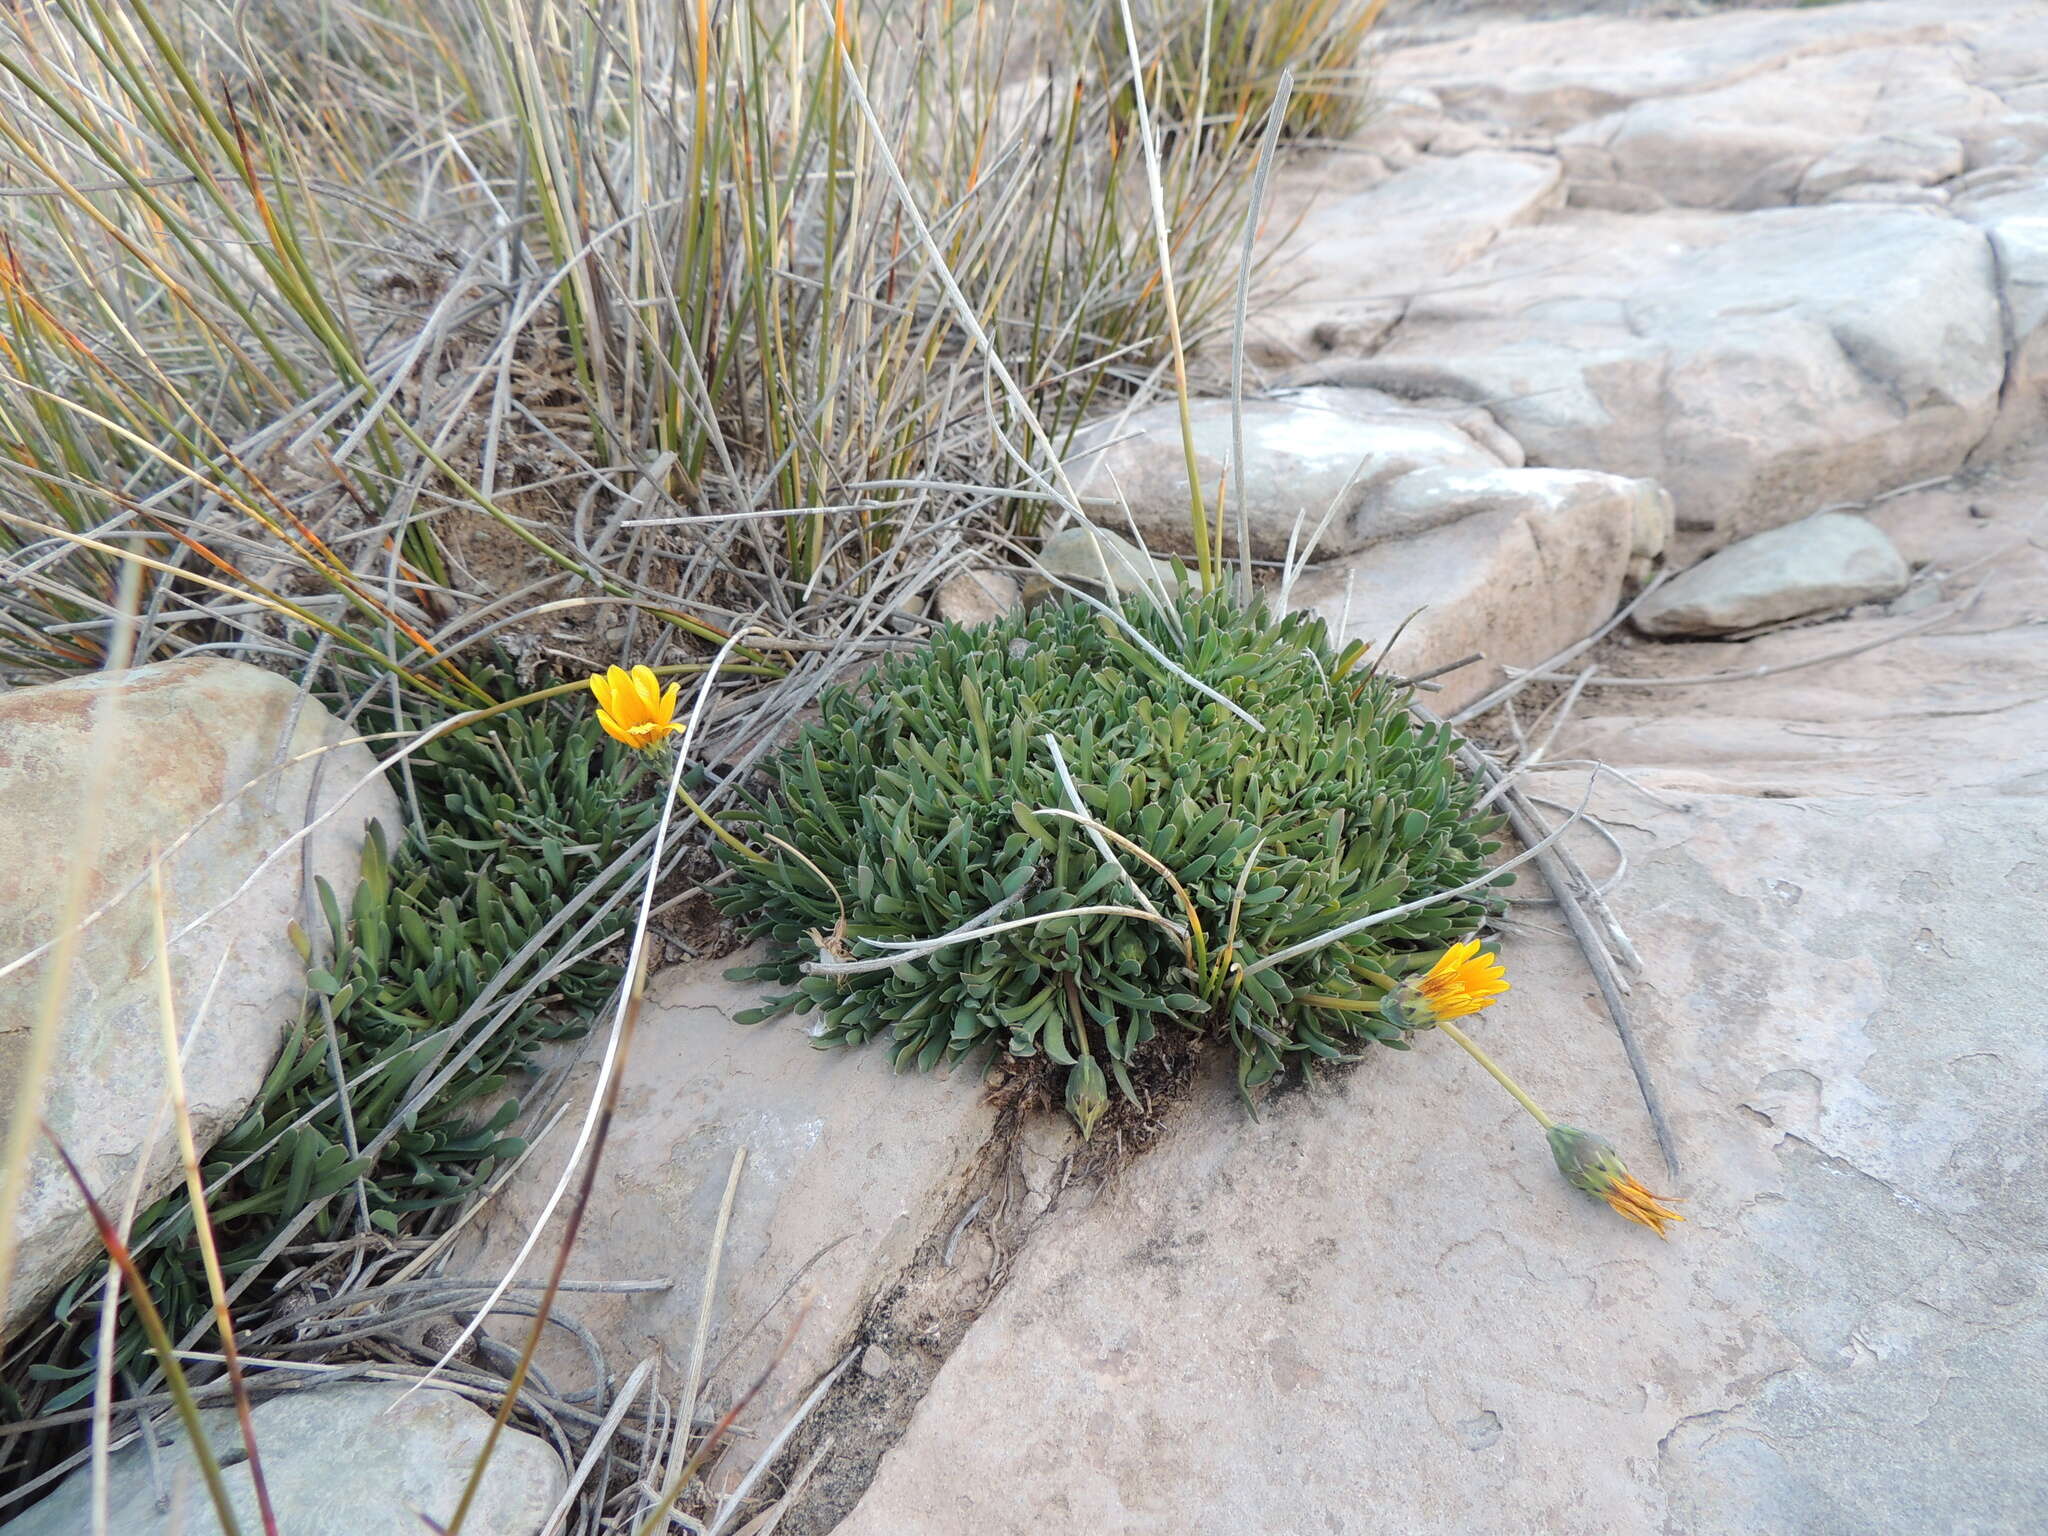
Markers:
point(1087, 1095)
point(1589, 1162)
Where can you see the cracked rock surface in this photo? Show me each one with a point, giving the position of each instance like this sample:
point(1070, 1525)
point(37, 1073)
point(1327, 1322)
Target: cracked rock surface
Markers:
point(1378, 1310)
point(1777, 261)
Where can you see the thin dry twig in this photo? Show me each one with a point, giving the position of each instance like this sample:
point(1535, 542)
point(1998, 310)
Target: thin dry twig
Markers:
point(1529, 827)
point(1960, 610)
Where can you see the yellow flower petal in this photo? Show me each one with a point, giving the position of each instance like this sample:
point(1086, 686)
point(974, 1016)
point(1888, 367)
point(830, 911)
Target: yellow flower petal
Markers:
point(612, 729)
point(648, 687)
point(1630, 1199)
point(1464, 980)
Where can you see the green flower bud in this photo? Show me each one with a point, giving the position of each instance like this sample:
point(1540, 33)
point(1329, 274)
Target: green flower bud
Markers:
point(1087, 1095)
point(1589, 1162)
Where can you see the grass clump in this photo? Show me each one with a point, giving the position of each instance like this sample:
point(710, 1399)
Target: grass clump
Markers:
point(433, 317)
point(1143, 856)
point(1218, 64)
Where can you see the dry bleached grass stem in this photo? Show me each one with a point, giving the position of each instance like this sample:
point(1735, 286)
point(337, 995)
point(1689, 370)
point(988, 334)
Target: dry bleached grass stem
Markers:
point(1528, 826)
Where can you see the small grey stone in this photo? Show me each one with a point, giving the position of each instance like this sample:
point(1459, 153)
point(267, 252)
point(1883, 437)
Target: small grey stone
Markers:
point(876, 1362)
point(358, 1459)
point(977, 597)
point(442, 1336)
point(1828, 561)
point(1082, 555)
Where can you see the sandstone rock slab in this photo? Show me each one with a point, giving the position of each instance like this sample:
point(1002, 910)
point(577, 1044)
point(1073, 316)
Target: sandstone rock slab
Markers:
point(848, 1168)
point(1360, 254)
point(1675, 319)
point(357, 1459)
point(1756, 365)
point(1536, 559)
point(1378, 1311)
point(1816, 565)
point(1796, 133)
point(1311, 454)
point(193, 746)
point(1554, 76)
point(1917, 157)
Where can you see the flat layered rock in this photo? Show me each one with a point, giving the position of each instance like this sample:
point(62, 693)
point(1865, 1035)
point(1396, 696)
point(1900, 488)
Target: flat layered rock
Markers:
point(1366, 246)
point(1377, 1311)
point(1756, 365)
point(848, 1169)
point(1762, 278)
point(1887, 112)
point(1553, 76)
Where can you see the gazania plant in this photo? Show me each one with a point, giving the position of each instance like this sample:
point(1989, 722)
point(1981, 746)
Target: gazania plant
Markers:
point(1066, 835)
point(1043, 839)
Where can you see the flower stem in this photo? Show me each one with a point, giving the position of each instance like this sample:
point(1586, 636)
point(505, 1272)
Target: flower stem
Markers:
point(717, 831)
point(1499, 1076)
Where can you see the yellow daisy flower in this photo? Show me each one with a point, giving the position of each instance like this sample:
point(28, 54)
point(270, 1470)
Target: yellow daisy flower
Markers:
point(632, 707)
point(1464, 980)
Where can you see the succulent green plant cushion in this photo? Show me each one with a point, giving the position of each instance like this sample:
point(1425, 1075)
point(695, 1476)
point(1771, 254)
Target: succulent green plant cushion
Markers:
point(930, 798)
